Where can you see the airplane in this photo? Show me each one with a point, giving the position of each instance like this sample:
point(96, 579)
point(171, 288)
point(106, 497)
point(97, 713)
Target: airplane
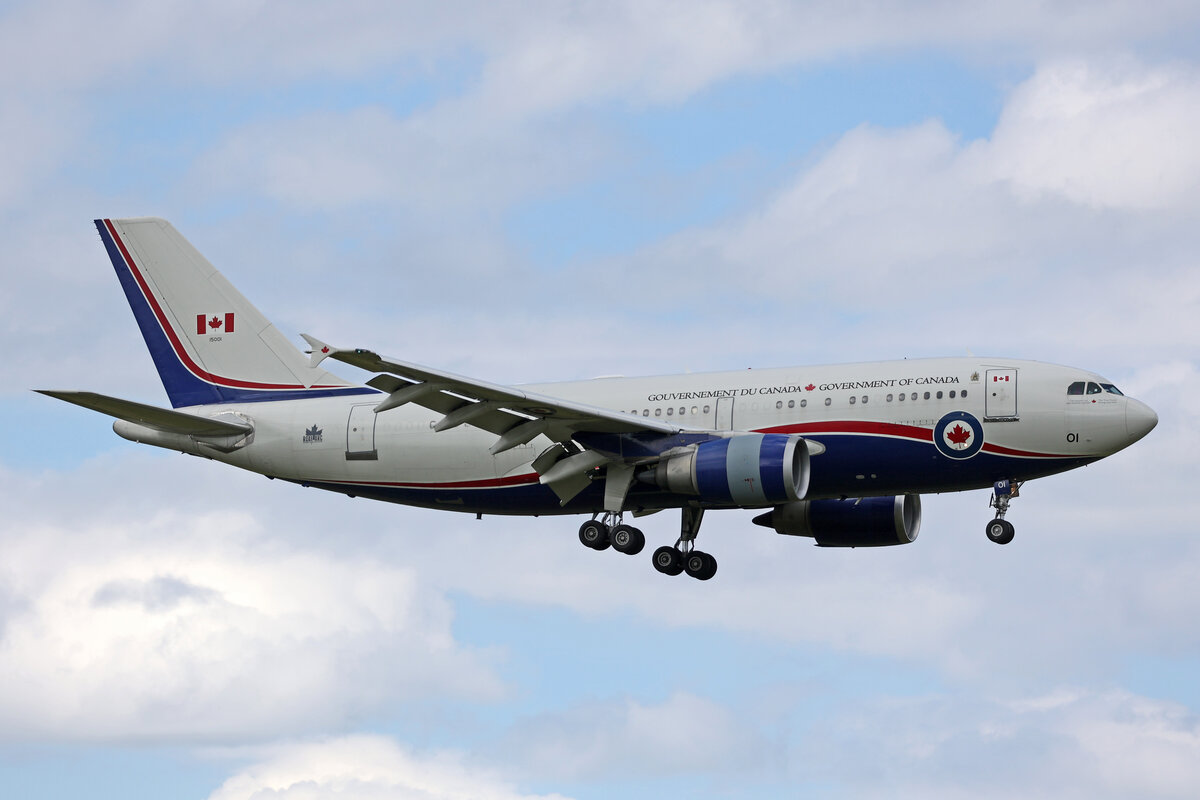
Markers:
point(840, 453)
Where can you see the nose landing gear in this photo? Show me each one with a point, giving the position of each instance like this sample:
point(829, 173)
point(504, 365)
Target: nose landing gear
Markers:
point(1000, 530)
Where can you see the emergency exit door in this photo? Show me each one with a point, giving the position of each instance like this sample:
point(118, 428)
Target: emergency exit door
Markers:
point(1000, 402)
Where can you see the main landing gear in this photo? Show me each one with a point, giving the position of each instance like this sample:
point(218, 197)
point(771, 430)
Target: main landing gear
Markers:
point(606, 530)
point(611, 532)
point(684, 557)
point(1000, 530)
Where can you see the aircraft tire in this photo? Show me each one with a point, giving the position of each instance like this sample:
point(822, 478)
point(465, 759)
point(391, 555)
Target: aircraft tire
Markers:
point(1000, 531)
point(668, 560)
point(700, 566)
point(594, 534)
point(627, 539)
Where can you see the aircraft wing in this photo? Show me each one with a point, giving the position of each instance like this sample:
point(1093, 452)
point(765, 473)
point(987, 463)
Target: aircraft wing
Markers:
point(516, 416)
point(160, 419)
point(492, 407)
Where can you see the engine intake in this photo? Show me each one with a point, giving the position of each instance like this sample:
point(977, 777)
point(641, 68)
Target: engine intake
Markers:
point(856, 522)
point(750, 470)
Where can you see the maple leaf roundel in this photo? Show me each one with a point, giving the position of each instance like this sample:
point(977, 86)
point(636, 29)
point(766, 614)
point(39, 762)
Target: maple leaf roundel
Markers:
point(958, 435)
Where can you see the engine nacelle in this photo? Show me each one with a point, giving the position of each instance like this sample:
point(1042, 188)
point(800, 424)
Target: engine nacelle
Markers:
point(749, 470)
point(856, 522)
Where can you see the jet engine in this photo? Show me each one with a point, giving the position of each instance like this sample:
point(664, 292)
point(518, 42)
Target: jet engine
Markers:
point(854, 522)
point(748, 470)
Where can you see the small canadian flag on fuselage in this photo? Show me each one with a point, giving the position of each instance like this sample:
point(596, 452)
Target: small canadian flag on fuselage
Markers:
point(211, 323)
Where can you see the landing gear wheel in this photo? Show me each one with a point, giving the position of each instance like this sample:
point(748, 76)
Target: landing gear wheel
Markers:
point(627, 539)
point(1000, 531)
point(700, 566)
point(668, 560)
point(594, 534)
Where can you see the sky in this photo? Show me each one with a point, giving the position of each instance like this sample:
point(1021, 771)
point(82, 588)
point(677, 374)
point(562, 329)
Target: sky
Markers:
point(543, 191)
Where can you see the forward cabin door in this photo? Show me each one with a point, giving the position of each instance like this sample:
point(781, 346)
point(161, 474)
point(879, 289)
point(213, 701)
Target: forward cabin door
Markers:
point(1001, 399)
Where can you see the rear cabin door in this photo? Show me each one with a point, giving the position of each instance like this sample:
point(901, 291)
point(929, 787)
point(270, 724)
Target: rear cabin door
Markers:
point(360, 434)
point(1001, 399)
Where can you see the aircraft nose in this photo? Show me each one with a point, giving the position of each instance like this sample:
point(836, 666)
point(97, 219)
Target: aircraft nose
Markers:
point(1140, 419)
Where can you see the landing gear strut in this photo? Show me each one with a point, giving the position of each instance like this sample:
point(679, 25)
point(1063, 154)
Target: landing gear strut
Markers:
point(684, 557)
point(600, 534)
point(1000, 530)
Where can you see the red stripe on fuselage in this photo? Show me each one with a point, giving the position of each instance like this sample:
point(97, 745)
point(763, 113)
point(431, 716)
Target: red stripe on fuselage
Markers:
point(488, 483)
point(169, 330)
point(871, 428)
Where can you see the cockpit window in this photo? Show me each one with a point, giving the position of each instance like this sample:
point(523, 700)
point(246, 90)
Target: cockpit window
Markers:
point(1075, 388)
point(1108, 387)
point(1093, 388)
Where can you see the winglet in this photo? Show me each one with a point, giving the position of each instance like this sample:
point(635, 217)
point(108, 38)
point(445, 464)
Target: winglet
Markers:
point(319, 352)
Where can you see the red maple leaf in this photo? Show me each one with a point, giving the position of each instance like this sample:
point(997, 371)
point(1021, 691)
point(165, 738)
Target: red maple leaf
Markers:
point(325, 349)
point(215, 322)
point(809, 388)
point(959, 435)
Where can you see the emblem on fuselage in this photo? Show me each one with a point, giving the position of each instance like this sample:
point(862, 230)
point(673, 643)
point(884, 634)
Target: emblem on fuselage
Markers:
point(312, 434)
point(958, 435)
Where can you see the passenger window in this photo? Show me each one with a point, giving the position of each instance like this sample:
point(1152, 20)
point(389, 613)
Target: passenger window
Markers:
point(706, 409)
point(645, 412)
point(902, 397)
point(791, 403)
point(951, 394)
point(864, 399)
point(939, 395)
point(913, 396)
point(828, 401)
point(778, 404)
point(889, 398)
point(693, 411)
point(670, 411)
point(658, 412)
point(964, 393)
point(804, 403)
point(852, 399)
point(927, 395)
point(1075, 388)
point(1093, 388)
point(682, 411)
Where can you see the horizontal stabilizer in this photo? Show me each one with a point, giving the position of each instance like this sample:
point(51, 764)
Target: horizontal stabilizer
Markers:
point(160, 419)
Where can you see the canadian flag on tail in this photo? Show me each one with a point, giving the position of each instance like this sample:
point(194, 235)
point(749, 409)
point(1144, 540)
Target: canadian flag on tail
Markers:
point(206, 324)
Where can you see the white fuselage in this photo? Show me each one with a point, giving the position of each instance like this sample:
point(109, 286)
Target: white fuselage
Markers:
point(883, 428)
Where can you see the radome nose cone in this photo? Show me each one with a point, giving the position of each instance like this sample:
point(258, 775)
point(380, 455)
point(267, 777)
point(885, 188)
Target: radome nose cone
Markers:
point(1140, 419)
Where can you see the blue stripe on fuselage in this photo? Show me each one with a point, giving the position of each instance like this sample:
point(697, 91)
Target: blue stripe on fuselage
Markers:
point(889, 466)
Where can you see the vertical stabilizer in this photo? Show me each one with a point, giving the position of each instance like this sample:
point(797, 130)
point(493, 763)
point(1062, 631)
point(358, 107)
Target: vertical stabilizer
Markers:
point(209, 343)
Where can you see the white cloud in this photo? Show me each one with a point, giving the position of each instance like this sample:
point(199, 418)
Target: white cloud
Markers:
point(136, 619)
point(638, 740)
point(364, 766)
point(1069, 743)
point(1109, 134)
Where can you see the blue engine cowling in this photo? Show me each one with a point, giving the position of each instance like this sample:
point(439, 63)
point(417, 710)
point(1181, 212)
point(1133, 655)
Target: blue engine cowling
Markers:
point(856, 522)
point(750, 470)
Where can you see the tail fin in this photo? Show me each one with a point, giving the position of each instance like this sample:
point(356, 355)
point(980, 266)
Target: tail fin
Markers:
point(209, 343)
